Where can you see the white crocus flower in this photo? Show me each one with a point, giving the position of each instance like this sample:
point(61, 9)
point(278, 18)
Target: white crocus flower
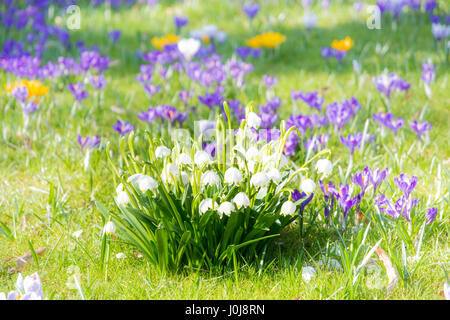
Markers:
point(310, 20)
point(253, 120)
point(144, 182)
point(307, 186)
point(259, 179)
point(188, 47)
point(275, 175)
point(109, 227)
point(184, 159)
point(241, 200)
point(162, 152)
point(210, 178)
point(207, 204)
point(233, 176)
point(122, 198)
point(202, 158)
point(324, 167)
point(288, 208)
point(226, 208)
point(308, 273)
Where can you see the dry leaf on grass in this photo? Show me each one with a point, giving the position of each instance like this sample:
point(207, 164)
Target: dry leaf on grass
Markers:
point(24, 260)
point(390, 270)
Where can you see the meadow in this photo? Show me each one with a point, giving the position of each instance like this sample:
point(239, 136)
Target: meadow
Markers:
point(364, 216)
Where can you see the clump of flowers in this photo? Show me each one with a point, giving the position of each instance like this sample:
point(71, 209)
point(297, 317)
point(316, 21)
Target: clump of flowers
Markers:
point(268, 40)
point(184, 206)
point(29, 288)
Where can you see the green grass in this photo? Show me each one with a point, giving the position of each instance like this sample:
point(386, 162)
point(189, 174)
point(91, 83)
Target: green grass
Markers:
point(47, 155)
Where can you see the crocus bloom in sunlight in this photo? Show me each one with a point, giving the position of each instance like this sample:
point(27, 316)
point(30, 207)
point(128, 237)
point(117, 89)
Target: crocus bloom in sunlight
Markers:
point(387, 120)
point(90, 142)
point(29, 288)
point(428, 73)
point(440, 31)
point(344, 198)
point(251, 9)
point(431, 214)
point(123, 127)
point(115, 35)
point(405, 184)
point(311, 98)
point(352, 141)
point(180, 21)
point(385, 83)
point(270, 81)
point(78, 91)
point(420, 127)
point(376, 177)
point(362, 179)
point(342, 45)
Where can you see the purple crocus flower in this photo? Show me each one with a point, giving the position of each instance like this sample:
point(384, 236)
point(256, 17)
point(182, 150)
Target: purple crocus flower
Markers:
point(211, 99)
point(431, 214)
point(362, 179)
point(243, 52)
point(311, 98)
point(435, 18)
point(97, 81)
point(149, 115)
point(180, 21)
point(315, 142)
point(78, 92)
point(151, 89)
point(29, 107)
point(377, 176)
point(268, 120)
point(123, 127)
point(339, 113)
point(430, 5)
point(352, 141)
point(428, 73)
point(297, 195)
point(270, 81)
point(90, 142)
point(184, 96)
point(420, 127)
point(329, 192)
point(402, 207)
point(405, 184)
point(440, 31)
point(326, 52)
point(251, 9)
point(20, 93)
point(386, 83)
point(115, 35)
point(346, 202)
point(387, 120)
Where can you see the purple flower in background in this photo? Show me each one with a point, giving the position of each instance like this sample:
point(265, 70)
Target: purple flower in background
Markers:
point(301, 122)
point(123, 127)
point(431, 214)
point(387, 120)
point(386, 83)
point(311, 98)
point(430, 5)
point(29, 107)
point(243, 52)
point(315, 142)
point(184, 96)
point(90, 142)
point(78, 92)
point(149, 115)
point(270, 81)
point(420, 127)
point(97, 81)
point(151, 89)
point(428, 73)
point(402, 207)
point(358, 5)
point(251, 9)
point(435, 18)
point(211, 148)
point(362, 179)
point(269, 134)
point(20, 93)
point(405, 184)
point(339, 54)
point(291, 144)
point(352, 141)
point(268, 120)
point(440, 31)
point(211, 99)
point(180, 21)
point(326, 52)
point(115, 35)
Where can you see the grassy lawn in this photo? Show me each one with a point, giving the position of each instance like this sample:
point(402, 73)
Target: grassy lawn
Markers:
point(46, 193)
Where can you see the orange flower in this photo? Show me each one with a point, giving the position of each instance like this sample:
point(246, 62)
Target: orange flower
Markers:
point(266, 40)
point(164, 40)
point(342, 45)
